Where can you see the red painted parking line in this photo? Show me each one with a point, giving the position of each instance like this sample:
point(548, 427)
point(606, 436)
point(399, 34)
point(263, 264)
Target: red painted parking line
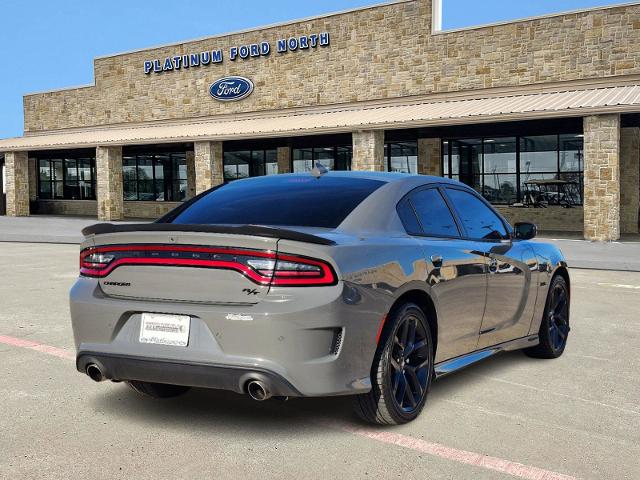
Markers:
point(37, 346)
point(461, 456)
point(435, 449)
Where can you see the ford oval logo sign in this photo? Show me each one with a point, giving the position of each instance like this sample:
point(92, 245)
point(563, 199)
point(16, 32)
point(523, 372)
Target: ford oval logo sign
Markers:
point(231, 89)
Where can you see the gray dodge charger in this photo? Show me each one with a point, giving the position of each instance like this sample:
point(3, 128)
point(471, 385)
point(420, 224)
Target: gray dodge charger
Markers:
point(317, 284)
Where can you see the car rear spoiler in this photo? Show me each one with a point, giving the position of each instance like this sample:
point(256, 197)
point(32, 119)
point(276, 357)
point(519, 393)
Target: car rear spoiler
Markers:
point(252, 230)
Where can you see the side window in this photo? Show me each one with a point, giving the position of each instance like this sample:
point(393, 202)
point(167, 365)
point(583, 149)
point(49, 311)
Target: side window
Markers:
point(408, 218)
point(434, 214)
point(479, 221)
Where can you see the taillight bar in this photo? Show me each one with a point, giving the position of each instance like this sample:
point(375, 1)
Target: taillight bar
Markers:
point(260, 266)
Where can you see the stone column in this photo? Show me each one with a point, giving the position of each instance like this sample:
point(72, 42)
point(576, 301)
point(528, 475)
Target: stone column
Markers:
point(430, 156)
point(33, 179)
point(109, 182)
point(368, 151)
point(16, 166)
point(191, 175)
point(208, 165)
point(629, 179)
point(602, 177)
point(284, 160)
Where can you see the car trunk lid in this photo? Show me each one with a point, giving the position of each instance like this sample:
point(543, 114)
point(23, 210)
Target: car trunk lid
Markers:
point(213, 265)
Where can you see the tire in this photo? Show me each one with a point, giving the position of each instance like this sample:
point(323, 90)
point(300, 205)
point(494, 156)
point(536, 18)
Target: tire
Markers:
point(387, 403)
point(158, 390)
point(554, 329)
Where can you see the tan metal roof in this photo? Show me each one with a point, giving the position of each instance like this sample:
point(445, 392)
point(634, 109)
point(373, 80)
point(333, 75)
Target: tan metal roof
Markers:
point(577, 102)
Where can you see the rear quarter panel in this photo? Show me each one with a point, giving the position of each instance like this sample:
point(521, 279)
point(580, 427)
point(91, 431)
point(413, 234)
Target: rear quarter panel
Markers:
point(550, 261)
point(373, 273)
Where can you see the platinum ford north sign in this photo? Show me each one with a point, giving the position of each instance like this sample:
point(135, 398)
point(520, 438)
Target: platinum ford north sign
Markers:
point(230, 89)
point(243, 52)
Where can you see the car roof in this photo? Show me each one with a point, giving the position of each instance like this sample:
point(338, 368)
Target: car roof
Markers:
point(387, 177)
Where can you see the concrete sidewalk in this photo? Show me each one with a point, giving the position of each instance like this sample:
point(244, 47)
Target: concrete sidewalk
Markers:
point(622, 256)
point(46, 228)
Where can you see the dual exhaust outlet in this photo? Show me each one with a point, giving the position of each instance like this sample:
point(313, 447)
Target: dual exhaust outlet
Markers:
point(256, 389)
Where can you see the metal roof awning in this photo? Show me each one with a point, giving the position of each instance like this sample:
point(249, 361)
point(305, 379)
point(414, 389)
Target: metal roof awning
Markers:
point(441, 112)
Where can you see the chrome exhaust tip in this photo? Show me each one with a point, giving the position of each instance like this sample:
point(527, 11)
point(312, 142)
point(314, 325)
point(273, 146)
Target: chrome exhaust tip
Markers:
point(94, 373)
point(258, 391)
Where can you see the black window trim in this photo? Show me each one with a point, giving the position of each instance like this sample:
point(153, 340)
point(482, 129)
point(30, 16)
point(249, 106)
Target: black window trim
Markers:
point(153, 155)
point(446, 160)
point(472, 192)
point(251, 164)
point(407, 199)
point(63, 160)
point(313, 148)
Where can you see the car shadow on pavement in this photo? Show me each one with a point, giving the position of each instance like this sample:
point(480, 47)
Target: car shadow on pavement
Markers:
point(212, 410)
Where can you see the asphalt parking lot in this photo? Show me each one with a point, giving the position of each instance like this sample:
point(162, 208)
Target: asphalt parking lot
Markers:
point(511, 416)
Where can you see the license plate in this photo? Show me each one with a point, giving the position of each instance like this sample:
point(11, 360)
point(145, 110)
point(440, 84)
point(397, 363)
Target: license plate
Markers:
point(165, 329)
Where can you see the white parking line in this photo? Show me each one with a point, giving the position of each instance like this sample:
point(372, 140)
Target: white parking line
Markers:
point(619, 285)
point(564, 395)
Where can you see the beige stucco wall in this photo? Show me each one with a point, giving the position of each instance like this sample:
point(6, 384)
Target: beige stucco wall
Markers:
point(375, 53)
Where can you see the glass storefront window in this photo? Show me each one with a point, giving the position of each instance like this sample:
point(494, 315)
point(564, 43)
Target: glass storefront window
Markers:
point(571, 155)
point(249, 163)
point(155, 177)
point(538, 154)
point(402, 157)
point(66, 178)
point(332, 158)
point(499, 183)
point(502, 168)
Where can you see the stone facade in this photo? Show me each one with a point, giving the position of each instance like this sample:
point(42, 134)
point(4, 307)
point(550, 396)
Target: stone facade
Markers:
point(152, 210)
point(629, 179)
point(430, 156)
point(191, 175)
point(375, 53)
point(33, 180)
point(67, 207)
point(602, 177)
point(551, 219)
point(17, 173)
point(208, 165)
point(284, 159)
point(109, 183)
point(368, 151)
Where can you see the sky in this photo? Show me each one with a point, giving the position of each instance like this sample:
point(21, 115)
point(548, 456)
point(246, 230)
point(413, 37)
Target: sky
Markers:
point(46, 44)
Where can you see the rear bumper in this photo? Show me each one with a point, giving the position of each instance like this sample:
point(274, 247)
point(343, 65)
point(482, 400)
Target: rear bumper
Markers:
point(306, 342)
point(222, 377)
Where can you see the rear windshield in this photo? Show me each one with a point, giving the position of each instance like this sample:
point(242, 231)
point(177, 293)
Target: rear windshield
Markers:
point(291, 200)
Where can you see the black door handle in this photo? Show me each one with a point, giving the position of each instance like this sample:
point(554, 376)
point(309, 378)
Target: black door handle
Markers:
point(436, 260)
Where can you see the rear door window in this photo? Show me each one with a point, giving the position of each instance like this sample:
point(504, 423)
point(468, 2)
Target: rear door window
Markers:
point(291, 200)
point(479, 221)
point(433, 213)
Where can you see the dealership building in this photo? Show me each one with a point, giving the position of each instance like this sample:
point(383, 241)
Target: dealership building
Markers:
point(541, 115)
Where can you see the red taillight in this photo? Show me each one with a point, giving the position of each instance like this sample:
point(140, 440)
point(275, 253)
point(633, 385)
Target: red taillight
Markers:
point(261, 267)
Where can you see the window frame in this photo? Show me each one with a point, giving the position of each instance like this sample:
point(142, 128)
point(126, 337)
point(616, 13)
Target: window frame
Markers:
point(155, 163)
point(446, 161)
point(403, 144)
point(313, 148)
point(253, 166)
point(405, 202)
point(63, 160)
point(473, 193)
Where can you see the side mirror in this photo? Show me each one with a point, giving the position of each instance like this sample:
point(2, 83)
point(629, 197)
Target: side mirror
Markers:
point(525, 231)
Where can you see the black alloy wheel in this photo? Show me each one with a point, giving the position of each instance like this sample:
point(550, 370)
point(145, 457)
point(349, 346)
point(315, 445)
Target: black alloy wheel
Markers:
point(555, 328)
point(410, 362)
point(402, 369)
